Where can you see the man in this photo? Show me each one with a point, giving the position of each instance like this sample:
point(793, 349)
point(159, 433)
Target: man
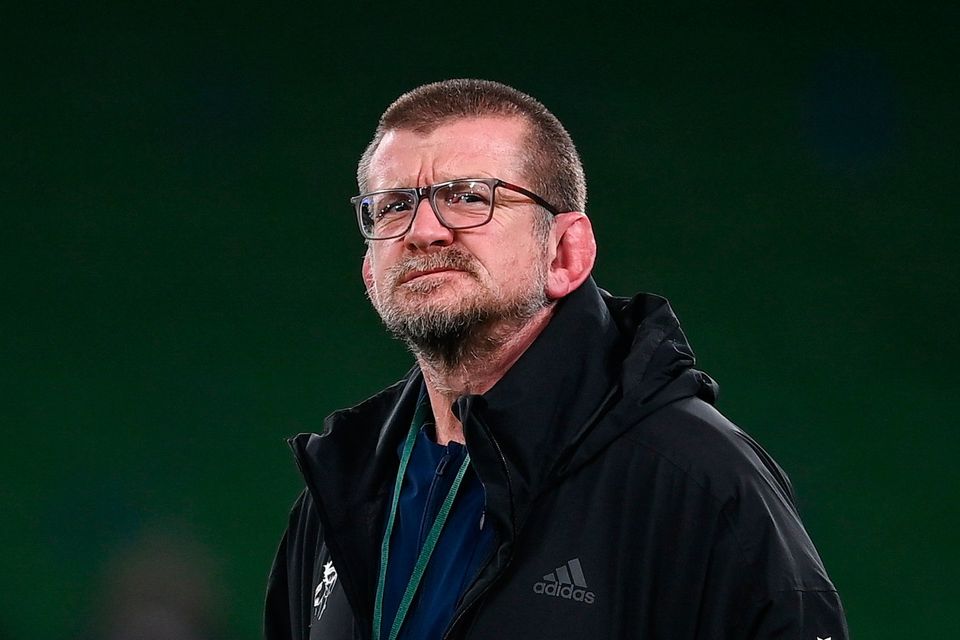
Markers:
point(552, 467)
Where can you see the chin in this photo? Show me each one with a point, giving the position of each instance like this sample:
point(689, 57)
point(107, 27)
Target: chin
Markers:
point(447, 307)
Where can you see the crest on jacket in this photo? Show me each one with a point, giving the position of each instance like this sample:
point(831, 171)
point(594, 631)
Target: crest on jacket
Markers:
point(324, 589)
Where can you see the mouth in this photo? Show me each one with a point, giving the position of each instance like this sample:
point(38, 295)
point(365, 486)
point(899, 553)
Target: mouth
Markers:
point(418, 273)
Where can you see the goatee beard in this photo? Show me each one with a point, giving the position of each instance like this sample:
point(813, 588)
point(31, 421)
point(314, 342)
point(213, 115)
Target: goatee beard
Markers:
point(449, 336)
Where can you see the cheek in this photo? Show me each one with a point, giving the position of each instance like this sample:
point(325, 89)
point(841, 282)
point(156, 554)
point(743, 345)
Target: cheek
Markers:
point(506, 258)
point(373, 269)
point(516, 267)
point(378, 259)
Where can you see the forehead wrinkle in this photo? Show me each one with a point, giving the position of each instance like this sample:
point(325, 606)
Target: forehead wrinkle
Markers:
point(407, 158)
point(439, 170)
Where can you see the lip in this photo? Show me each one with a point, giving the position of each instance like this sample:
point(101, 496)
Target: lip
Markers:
point(425, 272)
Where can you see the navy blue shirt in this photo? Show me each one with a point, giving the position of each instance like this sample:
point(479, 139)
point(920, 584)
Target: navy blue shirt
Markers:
point(461, 549)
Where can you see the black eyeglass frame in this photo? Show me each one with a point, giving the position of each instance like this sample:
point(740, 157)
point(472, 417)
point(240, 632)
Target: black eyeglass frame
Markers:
point(430, 191)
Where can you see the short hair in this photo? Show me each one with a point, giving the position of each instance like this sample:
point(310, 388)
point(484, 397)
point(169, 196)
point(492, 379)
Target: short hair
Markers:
point(552, 163)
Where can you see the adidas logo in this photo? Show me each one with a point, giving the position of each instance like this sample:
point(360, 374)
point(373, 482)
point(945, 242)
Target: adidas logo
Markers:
point(566, 582)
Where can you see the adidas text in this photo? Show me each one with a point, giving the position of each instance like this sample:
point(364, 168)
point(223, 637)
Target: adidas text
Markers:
point(566, 582)
point(567, 591)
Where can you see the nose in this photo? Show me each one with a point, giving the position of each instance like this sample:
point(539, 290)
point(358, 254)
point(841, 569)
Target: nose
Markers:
point(426, 230)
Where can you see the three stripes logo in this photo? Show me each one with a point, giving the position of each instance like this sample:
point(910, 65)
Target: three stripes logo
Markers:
point(566, 582)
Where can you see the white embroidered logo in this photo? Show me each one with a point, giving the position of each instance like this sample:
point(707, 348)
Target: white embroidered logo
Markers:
point(323, 590)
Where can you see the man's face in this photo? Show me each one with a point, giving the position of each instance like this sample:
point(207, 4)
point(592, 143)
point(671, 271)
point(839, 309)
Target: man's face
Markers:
point(435, 287)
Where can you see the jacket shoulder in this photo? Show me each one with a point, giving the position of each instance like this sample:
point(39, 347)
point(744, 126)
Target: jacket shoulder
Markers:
point(712, 451)
point(753, 495)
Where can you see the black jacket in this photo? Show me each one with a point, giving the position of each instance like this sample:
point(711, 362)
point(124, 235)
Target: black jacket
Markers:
point(625, 505)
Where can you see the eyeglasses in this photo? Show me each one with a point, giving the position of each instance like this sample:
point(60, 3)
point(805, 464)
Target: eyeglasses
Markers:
point(459, 204)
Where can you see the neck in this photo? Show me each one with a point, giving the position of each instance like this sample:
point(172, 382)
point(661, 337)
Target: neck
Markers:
point(477, 371)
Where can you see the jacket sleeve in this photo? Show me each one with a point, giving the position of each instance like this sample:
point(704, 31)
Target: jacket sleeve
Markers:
point(788, 595)
point(286, 610)
point(800, 614)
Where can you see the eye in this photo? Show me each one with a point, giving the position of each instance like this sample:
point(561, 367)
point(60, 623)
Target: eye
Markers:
point(467, 195)
point(466, 198)
point(387, 206)
point(393, 206)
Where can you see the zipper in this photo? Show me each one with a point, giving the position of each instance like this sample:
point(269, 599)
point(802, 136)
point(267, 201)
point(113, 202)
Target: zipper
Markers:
point(465, 607)
point(429, 507)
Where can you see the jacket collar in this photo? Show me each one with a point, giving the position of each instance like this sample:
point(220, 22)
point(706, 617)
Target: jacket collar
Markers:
point(593, 372)
point(523, 425)
point(349, 470)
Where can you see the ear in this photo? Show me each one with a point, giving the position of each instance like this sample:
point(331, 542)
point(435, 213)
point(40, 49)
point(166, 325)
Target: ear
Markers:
point(573, 250)
point(367, 271)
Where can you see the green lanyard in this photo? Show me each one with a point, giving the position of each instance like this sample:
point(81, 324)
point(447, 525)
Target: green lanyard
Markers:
point(428, 546)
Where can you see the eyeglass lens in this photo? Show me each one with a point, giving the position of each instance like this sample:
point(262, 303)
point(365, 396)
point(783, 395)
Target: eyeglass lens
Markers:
point(460, 204)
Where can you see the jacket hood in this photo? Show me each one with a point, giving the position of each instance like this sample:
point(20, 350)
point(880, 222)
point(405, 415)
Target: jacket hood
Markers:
point(600, 365)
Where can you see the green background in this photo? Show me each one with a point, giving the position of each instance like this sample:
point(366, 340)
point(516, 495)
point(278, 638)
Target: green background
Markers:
point(180, 269)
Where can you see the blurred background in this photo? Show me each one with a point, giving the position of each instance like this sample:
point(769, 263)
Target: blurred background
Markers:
point(179, 270)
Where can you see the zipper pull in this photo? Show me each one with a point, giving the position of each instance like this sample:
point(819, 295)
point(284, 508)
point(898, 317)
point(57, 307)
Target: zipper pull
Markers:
point(444, 461)
point(483, 517)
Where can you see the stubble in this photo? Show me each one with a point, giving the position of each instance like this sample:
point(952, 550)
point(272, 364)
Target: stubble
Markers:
point(450, 333)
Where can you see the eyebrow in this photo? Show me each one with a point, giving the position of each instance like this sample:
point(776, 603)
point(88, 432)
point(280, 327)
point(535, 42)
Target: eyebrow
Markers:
point(439, 179)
